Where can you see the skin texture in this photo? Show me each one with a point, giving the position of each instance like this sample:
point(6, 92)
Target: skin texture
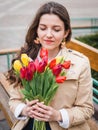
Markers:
point(50, 35)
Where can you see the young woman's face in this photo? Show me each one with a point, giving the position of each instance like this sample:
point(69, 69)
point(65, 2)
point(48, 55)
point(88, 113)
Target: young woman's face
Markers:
point(50, 31)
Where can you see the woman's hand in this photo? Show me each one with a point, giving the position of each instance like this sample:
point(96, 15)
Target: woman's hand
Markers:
point(45, 113)
point(27, 111)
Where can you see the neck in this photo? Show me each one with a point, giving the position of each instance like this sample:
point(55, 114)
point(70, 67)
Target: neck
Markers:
point(52, 54)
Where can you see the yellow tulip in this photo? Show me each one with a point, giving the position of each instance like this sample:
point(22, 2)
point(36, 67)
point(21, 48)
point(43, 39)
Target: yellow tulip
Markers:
point(25, 59)
point(17, 65)
point(59, 59)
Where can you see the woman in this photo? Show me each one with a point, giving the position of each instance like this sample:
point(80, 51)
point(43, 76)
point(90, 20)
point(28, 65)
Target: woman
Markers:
point(72, 105)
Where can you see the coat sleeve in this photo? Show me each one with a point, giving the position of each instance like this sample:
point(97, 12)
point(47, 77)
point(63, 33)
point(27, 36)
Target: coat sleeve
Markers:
point(16, 97)
point(83, 105)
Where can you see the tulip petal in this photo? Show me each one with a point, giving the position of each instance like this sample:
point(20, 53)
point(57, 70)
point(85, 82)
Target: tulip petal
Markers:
point(25, 59)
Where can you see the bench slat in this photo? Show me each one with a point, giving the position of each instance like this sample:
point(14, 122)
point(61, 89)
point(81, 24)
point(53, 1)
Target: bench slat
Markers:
point(4, 82)
point(4, 99)
point(5, 107)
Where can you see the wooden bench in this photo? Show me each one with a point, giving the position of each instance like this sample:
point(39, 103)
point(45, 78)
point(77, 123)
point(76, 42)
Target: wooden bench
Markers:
point(4, 99)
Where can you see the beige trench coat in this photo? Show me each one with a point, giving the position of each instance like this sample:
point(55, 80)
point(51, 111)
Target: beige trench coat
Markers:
point(75, 94)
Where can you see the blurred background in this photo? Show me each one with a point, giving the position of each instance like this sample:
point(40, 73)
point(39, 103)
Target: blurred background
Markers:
point(16, 16)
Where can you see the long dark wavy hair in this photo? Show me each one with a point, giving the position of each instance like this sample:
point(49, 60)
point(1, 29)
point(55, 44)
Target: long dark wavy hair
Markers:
point(30, 47)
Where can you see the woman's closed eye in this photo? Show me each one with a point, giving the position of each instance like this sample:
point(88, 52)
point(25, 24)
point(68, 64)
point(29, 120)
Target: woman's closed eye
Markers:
point(56, 30)
point(44, 28)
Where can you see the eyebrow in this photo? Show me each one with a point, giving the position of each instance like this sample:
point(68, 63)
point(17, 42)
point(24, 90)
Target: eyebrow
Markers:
point(53, 25)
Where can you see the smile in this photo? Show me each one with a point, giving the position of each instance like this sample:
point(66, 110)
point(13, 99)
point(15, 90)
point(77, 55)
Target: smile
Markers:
point(49, 41)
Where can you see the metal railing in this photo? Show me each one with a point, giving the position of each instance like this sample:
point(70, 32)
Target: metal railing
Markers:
point(88, 24)
point(95, 91)
point(9, 54)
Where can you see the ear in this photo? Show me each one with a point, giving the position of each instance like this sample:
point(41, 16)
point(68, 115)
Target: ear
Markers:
point(66, 33)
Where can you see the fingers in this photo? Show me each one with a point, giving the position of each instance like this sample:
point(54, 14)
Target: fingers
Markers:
point(42, 112)
point(40, 117)
point(27, 110)
point(33, 102)
point(47, 113)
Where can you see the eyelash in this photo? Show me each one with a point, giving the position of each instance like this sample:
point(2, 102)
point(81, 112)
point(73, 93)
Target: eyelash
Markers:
point(56, 30)
point(53, 29)
point(42, 28)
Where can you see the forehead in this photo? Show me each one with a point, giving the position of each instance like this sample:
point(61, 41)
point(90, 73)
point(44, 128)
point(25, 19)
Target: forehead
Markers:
point(51, 19)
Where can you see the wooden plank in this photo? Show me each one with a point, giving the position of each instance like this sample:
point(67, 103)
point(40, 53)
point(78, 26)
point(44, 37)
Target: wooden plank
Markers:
point(4, 82)
point(89, 51)
point(4, 106)
point(4, 96)
point(8, 51)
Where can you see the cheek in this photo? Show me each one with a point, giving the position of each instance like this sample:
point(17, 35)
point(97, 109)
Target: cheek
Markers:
point(60, 38)
point(41, 35)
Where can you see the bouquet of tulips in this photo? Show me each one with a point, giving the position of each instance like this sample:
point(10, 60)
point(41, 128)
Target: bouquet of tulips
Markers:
point(40, 79)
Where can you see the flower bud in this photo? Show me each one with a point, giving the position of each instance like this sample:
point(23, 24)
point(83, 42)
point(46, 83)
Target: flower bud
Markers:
point(31, 66)
point(17, 65)
point(52, 63)
point(43, 52)
point(22, 72)
point(60, 79)
point(25, 59)
point(57, 69)
point(41, 66)
point(66, 64)
point(59, 59)
point(28, 74)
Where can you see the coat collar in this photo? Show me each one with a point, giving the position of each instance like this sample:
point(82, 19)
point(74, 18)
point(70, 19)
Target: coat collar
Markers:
point(71, 74)
point(67, 55)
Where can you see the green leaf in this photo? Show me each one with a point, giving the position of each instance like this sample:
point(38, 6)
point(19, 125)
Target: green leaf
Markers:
point(51, 93)
point(38, 84)
point(27, 95)
point(39, 97)
point(33, 86)
point(46, 85)
point(63, 73)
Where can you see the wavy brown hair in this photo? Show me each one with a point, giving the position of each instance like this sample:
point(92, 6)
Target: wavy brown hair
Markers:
point(30, 48)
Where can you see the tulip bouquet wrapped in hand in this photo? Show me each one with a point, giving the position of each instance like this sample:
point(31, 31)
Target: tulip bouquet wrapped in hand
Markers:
point(40, 79)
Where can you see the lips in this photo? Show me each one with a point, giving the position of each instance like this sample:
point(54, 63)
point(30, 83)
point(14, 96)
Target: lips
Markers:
point(48, 41)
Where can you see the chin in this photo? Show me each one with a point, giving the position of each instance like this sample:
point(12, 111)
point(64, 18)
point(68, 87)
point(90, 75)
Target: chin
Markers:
point(48, 47)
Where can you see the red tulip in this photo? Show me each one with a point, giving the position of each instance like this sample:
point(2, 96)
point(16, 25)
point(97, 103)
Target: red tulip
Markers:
point(57, 69)
point(36, 62)
point(22, 72)
point(45, 59)
point(41, 66)
point(60, 79)
point(43, 52)
point(31, 66)
point(52, 63)
point(29, 74)
point(66, 64)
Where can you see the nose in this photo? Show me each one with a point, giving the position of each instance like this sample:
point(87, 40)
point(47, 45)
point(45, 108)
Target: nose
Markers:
point(49, 33)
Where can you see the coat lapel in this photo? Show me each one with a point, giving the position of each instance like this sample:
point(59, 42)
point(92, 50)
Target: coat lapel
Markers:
point(71, 73)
